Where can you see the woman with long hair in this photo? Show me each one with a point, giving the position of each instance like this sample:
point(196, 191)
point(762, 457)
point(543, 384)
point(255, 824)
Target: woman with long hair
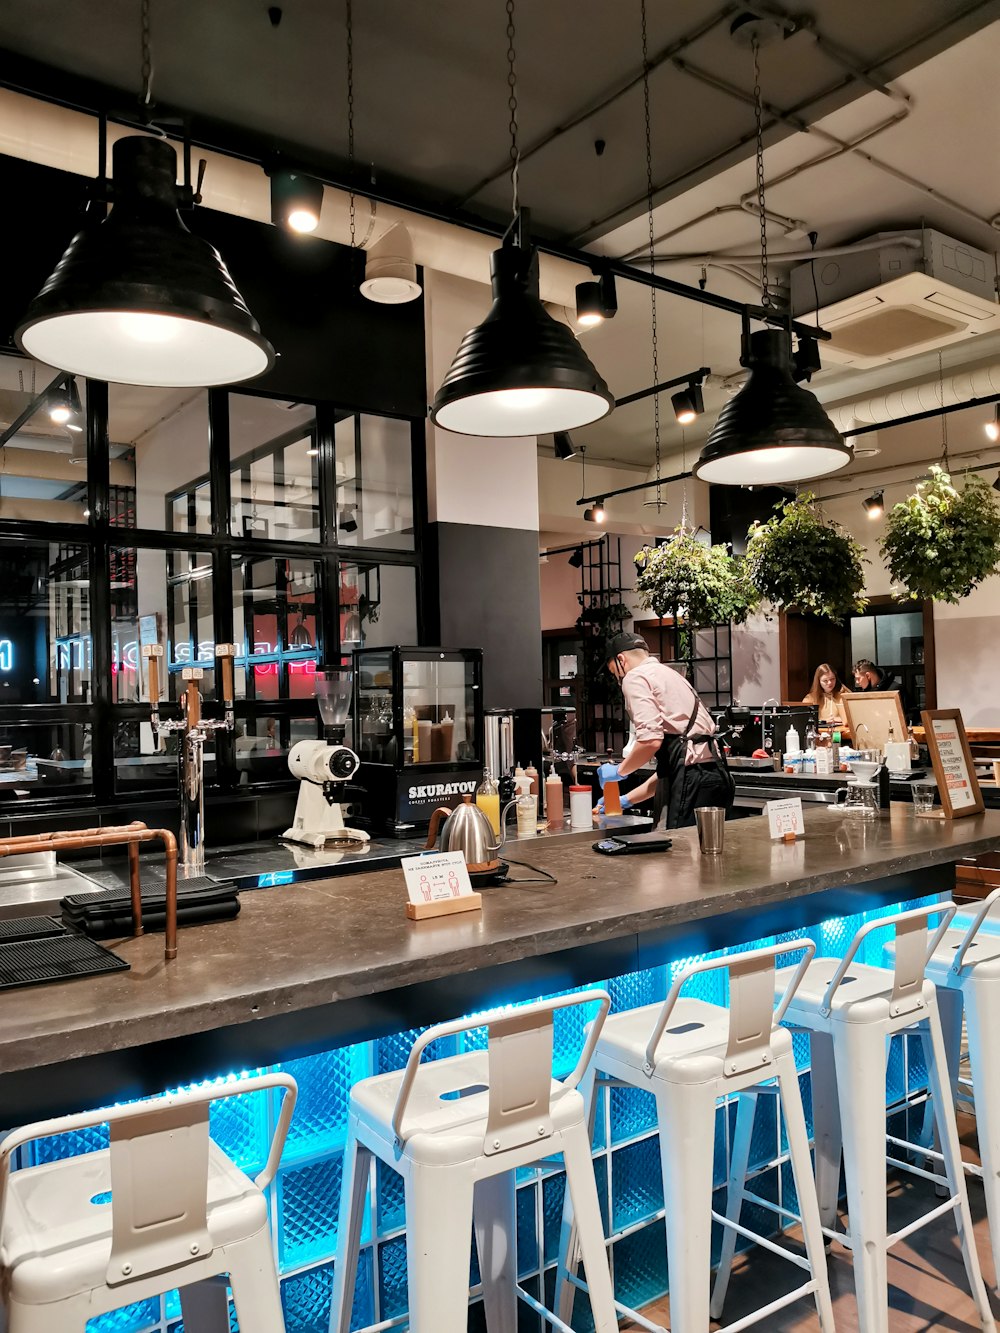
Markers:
point(826, 692)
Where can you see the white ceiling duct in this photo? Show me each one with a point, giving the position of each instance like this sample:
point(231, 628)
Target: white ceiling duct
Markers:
point(55, 136)
point(910, 399)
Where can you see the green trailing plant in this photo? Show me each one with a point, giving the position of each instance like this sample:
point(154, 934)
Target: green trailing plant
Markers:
point(690, 581)
point(941, 542)
point(800, 561)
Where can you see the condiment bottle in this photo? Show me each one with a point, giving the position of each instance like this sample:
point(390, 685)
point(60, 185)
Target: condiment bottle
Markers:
point(522, 782)
point(554, 800)
point(532, 772)
point(488, 800)
point(581, 813)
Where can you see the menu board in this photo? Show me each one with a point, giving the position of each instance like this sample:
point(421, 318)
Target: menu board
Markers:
point(952, 762)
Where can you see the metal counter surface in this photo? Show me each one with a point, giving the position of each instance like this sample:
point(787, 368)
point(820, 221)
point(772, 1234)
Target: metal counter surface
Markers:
point(281, 978)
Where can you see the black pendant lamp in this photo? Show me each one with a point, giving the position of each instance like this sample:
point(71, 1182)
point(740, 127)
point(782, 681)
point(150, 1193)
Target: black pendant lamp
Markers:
point(519, 372)
point(773, 431)
point(138, 299)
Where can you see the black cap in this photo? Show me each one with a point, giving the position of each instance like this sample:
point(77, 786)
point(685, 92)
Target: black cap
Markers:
point(624, 643)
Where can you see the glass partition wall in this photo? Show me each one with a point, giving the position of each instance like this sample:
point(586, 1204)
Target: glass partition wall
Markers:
point(187, 517)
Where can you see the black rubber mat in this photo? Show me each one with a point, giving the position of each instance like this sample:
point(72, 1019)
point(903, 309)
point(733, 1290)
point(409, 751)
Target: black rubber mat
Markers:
point(151, 894)
point(29, 928)
point(33, 962)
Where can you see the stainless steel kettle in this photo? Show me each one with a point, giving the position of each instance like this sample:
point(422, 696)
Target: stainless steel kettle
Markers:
point(467, 830)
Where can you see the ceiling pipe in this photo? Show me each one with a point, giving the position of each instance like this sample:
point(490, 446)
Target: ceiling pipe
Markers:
point(914, 399)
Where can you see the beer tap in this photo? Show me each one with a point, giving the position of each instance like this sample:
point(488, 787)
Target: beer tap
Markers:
point(193, 729)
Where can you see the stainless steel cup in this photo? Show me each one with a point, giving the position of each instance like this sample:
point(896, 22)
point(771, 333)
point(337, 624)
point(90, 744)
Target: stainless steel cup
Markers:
point(711, 828)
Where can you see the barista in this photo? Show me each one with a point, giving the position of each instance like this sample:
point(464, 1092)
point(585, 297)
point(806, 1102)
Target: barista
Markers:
point(673, 727)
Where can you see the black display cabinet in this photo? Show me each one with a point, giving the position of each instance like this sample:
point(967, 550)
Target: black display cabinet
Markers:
point(418, 730)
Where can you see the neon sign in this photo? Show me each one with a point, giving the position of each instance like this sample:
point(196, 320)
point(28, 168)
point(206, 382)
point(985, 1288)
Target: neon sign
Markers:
point(6, 655)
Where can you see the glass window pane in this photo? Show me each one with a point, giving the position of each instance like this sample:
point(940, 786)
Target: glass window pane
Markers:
point(262, 745)
point(158, 444)
point(167, 599)
point(378, 605)
point(45, 462)
point(374, 482)
point(275, 627)
point(274, 478)
point(44, 758)
point(438, 711)
point(144, 763)
point(45, 643)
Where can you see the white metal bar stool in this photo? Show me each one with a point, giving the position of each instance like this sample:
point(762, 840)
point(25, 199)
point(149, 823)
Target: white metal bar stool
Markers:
point(162, 1207)
point(965, 968)
point(689, 1053)
point(851, 1010)
point(456, 1130)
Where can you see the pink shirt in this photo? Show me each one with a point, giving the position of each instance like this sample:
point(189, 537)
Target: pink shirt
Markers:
point(659, 701)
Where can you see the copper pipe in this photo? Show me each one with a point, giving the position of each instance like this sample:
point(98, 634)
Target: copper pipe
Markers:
point(131, 834)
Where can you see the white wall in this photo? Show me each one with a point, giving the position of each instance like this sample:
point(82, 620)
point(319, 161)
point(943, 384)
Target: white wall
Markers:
point(487, 482)
point(756, 667)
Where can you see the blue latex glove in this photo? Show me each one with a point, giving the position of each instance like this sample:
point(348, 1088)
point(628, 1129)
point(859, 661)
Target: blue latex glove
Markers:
point(626, 805)
point(608, 773)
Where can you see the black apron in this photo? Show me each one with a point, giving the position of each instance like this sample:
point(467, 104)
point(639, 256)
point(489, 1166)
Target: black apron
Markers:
point(676, 787)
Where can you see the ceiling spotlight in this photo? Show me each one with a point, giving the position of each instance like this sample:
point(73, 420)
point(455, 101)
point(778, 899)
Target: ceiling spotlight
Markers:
point(390, 273)
point(992, 428)
point(596, 301)
point(576, 559)
point(138, 299)
point(519, 372)
point(563, 443)
point(596, 513)
point(873, 505)
point(688, 404)
point(296, 200)
point(773, 431)
point(65, 408)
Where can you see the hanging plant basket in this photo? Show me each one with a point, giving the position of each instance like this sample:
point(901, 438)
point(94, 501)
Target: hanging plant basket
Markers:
point(941, 542)
point(699, 584)
point(800, 561)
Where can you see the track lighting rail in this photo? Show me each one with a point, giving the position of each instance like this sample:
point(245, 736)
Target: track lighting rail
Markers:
point(692, 377)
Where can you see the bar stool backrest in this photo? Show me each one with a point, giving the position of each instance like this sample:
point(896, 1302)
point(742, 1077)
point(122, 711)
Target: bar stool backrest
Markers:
point(159, 1172)
point(752, 1014)
point(983, 911)
point(912, 954)
point(519, 1055)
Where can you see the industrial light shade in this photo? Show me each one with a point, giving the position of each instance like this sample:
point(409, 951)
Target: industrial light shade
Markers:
point(138, 299)
point(65, 408)
point(563, 444)
point(773, 431)
point(519, 372)
point(296, 200)
point(390, 273)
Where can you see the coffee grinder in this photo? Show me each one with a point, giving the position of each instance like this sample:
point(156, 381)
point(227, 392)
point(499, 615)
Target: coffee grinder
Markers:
point(322, 766)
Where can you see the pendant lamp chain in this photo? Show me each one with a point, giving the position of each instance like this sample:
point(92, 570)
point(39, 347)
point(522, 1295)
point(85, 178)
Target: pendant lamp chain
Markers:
point(350, 115)
point(515, 155)
point(944, 416)
point(652, 262)
point(147, 56)
point(765, 294)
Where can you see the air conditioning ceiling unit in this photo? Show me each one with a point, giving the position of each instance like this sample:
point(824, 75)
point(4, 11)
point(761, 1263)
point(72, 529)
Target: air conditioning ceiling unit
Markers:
point(918, 291)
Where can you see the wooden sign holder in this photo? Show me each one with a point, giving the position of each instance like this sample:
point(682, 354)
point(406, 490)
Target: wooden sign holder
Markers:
point(872, 711)
point(948, 810)
point(468, 902)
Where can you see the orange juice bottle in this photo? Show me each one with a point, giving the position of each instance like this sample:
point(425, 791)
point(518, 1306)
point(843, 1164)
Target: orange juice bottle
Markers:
point(488, 800)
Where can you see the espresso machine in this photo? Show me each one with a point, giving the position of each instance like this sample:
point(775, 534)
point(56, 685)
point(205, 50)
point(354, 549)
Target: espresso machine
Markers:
point(322, 766)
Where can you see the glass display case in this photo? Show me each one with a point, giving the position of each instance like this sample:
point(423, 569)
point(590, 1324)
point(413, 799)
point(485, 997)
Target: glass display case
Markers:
point(418, 730)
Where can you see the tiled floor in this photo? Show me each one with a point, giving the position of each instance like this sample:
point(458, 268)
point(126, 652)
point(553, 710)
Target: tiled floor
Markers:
point(927, 1290)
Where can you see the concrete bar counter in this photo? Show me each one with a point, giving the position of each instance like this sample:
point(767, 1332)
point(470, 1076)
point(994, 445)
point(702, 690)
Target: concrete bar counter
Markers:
point(329, 979)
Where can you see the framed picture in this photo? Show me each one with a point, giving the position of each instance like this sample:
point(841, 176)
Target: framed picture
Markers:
point(952, 762)
point(870, 714)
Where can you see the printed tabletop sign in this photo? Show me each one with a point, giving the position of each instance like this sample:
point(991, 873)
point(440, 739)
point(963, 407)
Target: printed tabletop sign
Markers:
point(437, 877)
point(785, 818)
